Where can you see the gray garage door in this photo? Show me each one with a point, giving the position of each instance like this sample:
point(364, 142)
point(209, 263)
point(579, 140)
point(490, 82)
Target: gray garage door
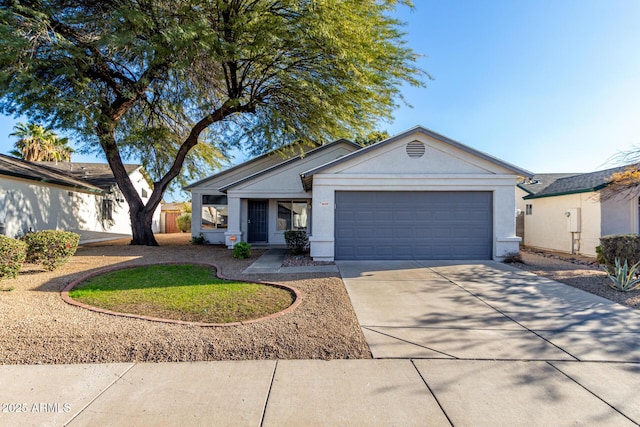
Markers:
point(413, 225)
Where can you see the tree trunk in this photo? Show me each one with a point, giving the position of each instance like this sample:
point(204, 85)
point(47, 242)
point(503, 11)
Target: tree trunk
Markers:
point(141, 227)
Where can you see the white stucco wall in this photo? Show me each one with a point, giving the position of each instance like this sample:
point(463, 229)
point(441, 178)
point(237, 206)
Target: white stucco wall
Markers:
point(620, 215)
point(24, 207)
point(547, 226)
point(28, 205)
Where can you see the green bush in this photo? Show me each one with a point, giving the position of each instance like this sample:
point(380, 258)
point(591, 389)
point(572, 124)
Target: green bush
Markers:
point(625, 247)
point(297, 241)
point(51, 248)
point(599, 256)
point(198, 240)
point(184, 222)
point(513, 258)
point(241, 250)
point(13, 252)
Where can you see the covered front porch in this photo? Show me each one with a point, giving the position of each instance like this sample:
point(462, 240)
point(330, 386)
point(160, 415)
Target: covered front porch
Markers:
point(264, 221)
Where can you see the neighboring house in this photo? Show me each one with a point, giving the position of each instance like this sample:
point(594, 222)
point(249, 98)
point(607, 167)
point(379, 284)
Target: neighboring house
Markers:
point(65, 196)
point(417, 195)
point(535, 184)
point(564, 212)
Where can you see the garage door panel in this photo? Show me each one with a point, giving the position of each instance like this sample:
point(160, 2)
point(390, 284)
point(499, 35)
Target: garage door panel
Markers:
point(413, 225)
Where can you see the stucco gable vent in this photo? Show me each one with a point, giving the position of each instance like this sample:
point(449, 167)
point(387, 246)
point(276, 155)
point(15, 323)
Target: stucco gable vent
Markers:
point(415, 149)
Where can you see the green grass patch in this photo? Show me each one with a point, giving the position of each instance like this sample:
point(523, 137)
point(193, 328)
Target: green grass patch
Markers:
point(181, 292)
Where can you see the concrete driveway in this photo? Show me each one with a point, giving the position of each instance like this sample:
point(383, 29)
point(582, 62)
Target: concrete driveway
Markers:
point(487, 310)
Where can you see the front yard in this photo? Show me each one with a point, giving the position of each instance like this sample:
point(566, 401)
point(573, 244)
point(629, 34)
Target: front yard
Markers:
point(38, 327)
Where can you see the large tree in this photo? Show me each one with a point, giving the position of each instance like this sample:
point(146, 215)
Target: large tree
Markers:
point(157, 78)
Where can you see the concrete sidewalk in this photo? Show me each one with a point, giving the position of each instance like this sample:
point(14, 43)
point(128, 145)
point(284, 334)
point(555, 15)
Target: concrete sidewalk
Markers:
point(329, 393)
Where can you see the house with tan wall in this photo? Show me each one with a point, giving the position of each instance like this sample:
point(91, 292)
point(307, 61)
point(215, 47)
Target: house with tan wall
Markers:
point(566, 213)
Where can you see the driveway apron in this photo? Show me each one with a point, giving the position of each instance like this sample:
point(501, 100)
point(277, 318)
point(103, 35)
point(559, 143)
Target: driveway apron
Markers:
point(484, 310)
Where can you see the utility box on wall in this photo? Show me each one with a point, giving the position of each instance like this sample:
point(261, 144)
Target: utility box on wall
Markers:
point(573, 220)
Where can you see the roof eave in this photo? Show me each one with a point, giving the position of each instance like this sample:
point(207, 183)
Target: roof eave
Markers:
point(92, 190)
point(565, 193)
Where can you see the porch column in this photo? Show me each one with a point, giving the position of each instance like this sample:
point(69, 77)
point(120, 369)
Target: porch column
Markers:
point(233, 234)
point(196, 213)
point(323, 211)
point(504, 222)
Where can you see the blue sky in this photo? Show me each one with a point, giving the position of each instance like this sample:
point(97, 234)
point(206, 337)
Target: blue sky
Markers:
point(550, 86)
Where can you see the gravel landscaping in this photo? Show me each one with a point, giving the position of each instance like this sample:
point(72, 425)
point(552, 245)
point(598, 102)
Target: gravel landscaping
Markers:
point(577, 271)
point(38, 327)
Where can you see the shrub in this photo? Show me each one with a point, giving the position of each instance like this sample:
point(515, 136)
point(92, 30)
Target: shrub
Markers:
point(51, 248)
point(13, 252)
point(621, 246)
point(241, 250)
point(624, 278)
point(513, 258)
point(198, 240)
point(184, 222)
point(297, 241)
point(599, 256)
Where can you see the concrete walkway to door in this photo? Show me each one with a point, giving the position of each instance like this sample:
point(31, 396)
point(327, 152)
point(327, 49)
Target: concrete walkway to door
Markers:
point(484, 310)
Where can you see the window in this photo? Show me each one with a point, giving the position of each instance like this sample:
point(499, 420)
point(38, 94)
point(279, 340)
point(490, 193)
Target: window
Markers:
point(293, 215)
point(107, 210)
point(215, 212)
point(144, 194)
point(529, 210)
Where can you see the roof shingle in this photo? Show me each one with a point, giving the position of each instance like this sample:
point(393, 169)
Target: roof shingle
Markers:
point(18, 168)
point(570, 184)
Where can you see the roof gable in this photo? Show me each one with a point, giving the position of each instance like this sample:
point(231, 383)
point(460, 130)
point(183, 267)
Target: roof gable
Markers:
point(32, 171)
point(579, 183)
point(249, 167)
point(320, 155)
point(435, 154)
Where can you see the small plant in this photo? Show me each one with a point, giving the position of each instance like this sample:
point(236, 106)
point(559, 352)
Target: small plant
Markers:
point(297, 241)
point(512, 258)
point(600, 255)
point(184, 222)
point(242, 250)
point(624, 278)
point(51, 248)
point(13, 253)
point(198, 240)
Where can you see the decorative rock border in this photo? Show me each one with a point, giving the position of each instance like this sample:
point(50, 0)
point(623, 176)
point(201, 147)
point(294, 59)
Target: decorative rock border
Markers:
point(64, 294)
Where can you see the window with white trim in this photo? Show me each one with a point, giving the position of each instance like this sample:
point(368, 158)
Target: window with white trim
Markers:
point(215, 212)
point(293, 215)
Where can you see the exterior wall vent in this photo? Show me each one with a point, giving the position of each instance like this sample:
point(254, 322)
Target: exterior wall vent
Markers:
point(415, 149)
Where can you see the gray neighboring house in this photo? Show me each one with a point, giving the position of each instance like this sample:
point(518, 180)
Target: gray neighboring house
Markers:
point(64, 196)
point(416, 195)
point(565, 213)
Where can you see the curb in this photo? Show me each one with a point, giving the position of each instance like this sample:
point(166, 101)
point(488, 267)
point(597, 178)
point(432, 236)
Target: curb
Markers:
point(64, 294)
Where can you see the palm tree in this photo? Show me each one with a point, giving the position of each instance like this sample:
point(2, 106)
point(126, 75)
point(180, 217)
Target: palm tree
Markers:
point(37, 143)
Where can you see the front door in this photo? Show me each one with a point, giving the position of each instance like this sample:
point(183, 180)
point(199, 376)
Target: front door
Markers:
point(257, 221)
